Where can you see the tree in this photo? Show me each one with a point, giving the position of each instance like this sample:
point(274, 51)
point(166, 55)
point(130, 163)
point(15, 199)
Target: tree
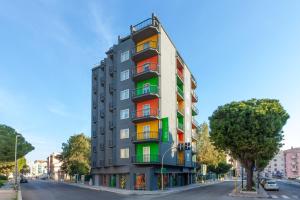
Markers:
point(7, 144)
point(76, 155)
point(206, 152)
point(8, 167)
point(250, 130)
point(220, 169)
point(25, 169)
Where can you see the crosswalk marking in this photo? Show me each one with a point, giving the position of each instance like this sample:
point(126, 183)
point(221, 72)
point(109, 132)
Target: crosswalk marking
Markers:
point(285, 197)
point(273, 196)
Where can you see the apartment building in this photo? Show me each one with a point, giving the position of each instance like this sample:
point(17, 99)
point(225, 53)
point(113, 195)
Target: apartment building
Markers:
point(54, 167)
point(276, 167)
point(292, 162)
point(38, 168)
point(143, 107)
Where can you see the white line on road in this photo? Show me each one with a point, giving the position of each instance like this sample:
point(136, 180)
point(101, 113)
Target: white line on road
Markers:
point(274, 197)
point(285, 197)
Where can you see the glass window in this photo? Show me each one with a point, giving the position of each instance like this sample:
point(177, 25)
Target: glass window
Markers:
point(146, 130)
point(124, 114)
point(146, 110)
point(146, 45)
point(146, 88)
point(124, 153)
point(124, 94)
point(124, 133)
point(146, 67)
point(124, 75)
point(125, 56)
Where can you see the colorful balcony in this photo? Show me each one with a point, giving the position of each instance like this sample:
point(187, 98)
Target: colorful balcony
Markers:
point(180, 111)
point(194, 135)
point(180, 127)
point(145, 29)
point(145, 50)
point(145, 93)
point(146, 159)
point(193, 82)
point(143, 115)
point(180, 94)
point(179, 62)
point(180, 77)
point(145, 71)
point(146, 136)
point(195, 110)
point(195, 124)
point(194, 96)
point(180, 162)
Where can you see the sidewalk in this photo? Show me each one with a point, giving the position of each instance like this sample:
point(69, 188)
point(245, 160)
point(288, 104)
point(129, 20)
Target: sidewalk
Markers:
point(144, 192)
point(7, 192)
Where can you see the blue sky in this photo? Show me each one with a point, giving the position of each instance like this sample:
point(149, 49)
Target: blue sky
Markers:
point(236, 49)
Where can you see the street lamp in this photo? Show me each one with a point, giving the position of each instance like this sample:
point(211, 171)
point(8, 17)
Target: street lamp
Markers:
point(16, 163)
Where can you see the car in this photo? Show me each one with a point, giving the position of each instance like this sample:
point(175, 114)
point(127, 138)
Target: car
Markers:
point(271, 185)
point(23, 180)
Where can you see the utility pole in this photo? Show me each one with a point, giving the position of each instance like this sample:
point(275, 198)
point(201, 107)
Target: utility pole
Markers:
point(16, 163)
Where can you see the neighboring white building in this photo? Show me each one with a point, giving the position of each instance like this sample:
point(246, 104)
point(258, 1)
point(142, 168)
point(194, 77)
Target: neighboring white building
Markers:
point(276, 166)
point(38, 168)
point(54, 167)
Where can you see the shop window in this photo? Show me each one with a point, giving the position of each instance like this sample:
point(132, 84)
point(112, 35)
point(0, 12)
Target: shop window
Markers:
point(140, 182)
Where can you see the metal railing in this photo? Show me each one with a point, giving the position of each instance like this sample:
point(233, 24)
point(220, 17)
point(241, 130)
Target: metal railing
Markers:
point(180, 126)
point(180, 74)
point(147, 67)
point(195, 122)
point(180, 91)
point(152, 89)
point(144, 24)
point(146, 135)
point(149, 112)
point(194, 80)
point(195, 109)
point(194, 95)
point(146, 158)
point(145, 46)
point(180, 109)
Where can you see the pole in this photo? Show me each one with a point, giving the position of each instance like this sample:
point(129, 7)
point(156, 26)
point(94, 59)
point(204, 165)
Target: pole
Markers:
point(242, 177)
point(16, 163)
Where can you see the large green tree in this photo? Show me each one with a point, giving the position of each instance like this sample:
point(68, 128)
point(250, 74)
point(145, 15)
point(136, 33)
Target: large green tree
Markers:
point(250, 130)
point(76, 155)
point(7, 144)
point(206, 151)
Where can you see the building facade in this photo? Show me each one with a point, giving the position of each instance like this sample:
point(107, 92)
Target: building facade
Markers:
point(54, 167)
point(292, 162)
point(276, 167)
point(38, 168)
point(143, 105)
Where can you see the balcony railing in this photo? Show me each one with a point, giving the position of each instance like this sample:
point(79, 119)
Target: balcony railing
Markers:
point(194, 82)
point(195, 110)
point(145, 114)
point(146, 70)
point(194, 96)
point(146, 23)
point(144, 93)
point(180, 110)
point(180, 92)
point(146, 136)
point(195, 123)
point(146, 45)
point(194, 135)
point(146, 158)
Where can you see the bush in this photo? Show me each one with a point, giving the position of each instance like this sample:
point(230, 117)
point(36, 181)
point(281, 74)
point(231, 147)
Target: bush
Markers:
point(2, 177)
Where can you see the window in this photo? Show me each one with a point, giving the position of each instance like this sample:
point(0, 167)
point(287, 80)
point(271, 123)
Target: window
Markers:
point(124, 94)
point(124, 114)
point(124, 153)
point(146, 130)
point(125, 75)
point(146, 110)
point(124, 133)
point(125, 56)
point(146, 67)
point(146, 45)
point(146, 88)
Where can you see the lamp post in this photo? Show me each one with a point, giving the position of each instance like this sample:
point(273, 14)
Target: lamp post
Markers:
point(16, 163)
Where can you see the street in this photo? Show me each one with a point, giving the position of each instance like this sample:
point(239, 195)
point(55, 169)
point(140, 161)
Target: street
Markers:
point(37, 190)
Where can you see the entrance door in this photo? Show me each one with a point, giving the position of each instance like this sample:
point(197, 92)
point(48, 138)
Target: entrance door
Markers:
point(146, 154)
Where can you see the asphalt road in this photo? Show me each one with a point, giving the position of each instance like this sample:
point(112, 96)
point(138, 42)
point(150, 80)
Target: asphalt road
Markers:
point(39, 190)
point(43, 190)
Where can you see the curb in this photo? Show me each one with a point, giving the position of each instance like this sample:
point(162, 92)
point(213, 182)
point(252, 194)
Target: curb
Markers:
point(260, 194)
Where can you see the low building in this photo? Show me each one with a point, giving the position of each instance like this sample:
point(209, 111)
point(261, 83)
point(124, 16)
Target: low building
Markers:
point(38, 168)
point(292, 162)
point(54, 167)
point(276, 167)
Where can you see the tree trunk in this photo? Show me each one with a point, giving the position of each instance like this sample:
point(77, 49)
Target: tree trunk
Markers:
point(249, 170)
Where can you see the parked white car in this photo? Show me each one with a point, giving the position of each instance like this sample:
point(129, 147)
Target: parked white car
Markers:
point(271, 185)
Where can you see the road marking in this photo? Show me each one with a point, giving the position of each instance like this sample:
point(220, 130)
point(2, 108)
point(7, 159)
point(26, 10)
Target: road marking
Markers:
point(285, 197)
point(274, 197)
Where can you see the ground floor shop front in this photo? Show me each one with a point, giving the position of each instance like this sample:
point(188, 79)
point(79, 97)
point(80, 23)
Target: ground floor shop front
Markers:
point(143, 178)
